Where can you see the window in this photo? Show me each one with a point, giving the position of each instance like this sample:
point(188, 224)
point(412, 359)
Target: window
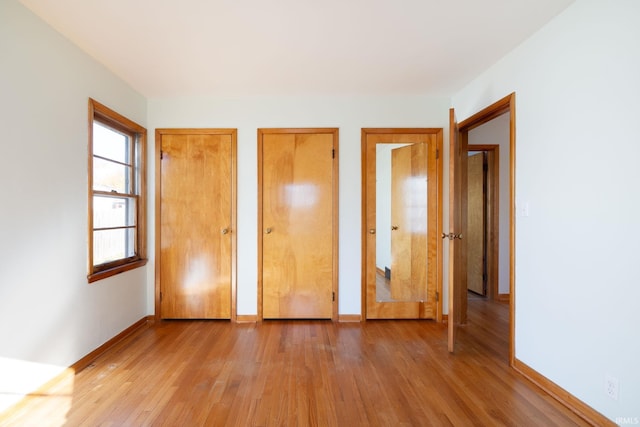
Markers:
point(117, 193)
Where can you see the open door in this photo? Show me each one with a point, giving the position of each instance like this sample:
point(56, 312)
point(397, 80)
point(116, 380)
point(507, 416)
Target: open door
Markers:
point(457, 223)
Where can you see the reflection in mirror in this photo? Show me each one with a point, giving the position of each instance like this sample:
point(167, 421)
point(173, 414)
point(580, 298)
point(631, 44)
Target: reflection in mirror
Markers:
point(401, 222)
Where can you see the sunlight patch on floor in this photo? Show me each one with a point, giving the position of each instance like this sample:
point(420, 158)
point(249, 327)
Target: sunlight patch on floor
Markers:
point(20, 379)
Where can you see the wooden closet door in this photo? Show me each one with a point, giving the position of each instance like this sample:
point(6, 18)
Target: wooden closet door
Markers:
point(412, 199)
point(298, 231)
point(196, 225)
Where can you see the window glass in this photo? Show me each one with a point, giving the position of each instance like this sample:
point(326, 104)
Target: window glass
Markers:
point(110, 144)
point(110, 176)
point(112, 245)
point(111, 212)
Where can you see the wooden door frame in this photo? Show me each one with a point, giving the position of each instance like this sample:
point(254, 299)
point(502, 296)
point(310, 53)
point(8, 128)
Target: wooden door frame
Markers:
point(438, 132)
point(493, 225)
point(502, 106)
point(234, 190)
point(335, 237)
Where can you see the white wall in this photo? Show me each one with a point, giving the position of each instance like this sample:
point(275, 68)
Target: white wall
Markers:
point(48, 312)
point(497, 132)
point(349, 114)
point(577, 149)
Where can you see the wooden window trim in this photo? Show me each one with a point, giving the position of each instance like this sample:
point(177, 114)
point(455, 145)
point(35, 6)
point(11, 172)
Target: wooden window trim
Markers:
point(107, 116)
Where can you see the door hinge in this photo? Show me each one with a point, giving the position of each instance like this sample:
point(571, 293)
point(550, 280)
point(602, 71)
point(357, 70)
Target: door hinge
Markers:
point(437, 154)
point(437, 296)
point(161, 154)
point(333, 296)
point(160, 296)
point(333, 153)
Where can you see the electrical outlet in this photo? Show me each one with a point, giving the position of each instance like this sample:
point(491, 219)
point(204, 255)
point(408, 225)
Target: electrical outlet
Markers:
point(611, 386)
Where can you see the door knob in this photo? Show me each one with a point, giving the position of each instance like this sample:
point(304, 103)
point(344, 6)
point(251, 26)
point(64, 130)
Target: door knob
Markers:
point(394, 227)
point(268, 231)
point(372, 231)
point(452, 236)
point(225, 231)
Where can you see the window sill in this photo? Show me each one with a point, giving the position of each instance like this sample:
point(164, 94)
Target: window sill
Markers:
point(115, 270)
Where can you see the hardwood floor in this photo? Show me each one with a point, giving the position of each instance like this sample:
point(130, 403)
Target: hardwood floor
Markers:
point(304, 373)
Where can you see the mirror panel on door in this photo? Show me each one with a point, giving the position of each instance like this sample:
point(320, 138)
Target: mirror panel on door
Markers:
point(402, 190)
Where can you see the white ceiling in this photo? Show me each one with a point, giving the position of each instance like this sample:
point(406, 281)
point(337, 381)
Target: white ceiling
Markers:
point(296, 47)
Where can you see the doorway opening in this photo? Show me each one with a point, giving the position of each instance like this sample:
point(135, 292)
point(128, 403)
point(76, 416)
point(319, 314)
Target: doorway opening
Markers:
point(463, 135)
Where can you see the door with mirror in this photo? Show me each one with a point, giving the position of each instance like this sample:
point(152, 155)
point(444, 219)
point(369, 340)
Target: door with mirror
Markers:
point(402, 195)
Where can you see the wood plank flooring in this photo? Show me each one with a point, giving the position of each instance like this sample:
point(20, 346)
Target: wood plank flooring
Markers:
point(303, 373)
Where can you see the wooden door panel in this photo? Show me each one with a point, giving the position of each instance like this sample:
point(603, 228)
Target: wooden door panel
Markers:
point(416, 262)
point(196, 210)
point(475, 224)
point(457, 227)
point(297, 225)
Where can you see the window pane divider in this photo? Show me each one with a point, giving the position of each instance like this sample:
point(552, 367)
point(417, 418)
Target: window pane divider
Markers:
point(122, 227)
point(106, 159)
point(114, 194)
